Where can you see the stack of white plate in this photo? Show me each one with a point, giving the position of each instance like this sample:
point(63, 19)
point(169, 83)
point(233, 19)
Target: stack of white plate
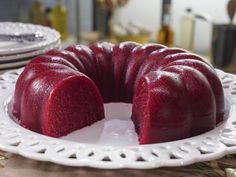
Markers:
point(18, 54)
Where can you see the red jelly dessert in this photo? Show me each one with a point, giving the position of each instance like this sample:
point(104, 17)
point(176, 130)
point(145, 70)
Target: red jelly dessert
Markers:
point(175, 94)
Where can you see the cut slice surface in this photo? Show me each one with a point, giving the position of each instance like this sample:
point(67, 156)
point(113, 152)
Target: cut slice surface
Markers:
point(160, 108)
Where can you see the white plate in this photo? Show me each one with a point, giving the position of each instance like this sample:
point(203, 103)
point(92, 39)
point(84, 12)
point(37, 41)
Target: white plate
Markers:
point(22, 59)
point(20, 56)
point(112, 143)
point(8, 48)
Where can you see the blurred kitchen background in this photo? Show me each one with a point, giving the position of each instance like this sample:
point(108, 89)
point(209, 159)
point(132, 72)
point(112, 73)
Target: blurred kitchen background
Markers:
point(202, 26)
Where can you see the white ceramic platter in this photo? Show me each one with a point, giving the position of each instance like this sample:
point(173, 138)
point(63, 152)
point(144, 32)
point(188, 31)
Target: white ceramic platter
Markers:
point(112, 143)
point(9, 48)
point(22, 59)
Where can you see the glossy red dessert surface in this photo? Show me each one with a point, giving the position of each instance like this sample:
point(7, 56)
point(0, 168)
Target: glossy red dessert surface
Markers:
point(175, 94)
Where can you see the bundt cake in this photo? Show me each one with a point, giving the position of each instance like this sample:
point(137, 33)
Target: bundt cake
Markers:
point(175, 94)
